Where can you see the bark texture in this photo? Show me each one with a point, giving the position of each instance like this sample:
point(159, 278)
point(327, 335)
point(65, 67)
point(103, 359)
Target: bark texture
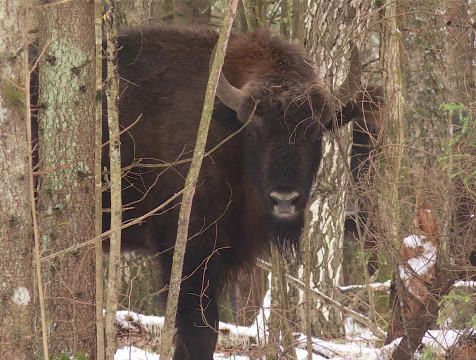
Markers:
point(16, 231)
point(424, 68)
point(391, 158)
point(100, 343)
point(331, 27)
point(326, 230)
point(191, 12)
point(112, 93)
point(460, 51)
point(66, 187)
point(423, 86)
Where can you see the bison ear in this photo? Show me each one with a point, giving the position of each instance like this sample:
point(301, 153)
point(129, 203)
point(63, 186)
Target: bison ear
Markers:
point(225, 116)
point(350, 111)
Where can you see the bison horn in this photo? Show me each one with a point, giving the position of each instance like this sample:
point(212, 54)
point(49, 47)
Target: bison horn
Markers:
point(352, 82)
point(227, 93)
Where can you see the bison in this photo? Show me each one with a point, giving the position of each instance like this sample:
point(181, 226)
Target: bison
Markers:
point(253, 189)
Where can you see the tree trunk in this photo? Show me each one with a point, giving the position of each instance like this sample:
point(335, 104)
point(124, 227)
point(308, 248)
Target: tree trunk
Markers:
point(252, 14)
point(112, 94)
point(392, 154)
point(281, 343)
point(191, 12)
point(331, 26)
point(16, 231)
point(66, 184)
point(100, 343)
point(460, 81)
point(297, 21)
point(415, 90)
point(328, 205)
point(168, 332)
point(460, 52)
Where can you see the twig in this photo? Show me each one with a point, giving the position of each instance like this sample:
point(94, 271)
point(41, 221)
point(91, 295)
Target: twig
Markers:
point(123, 226)
point(36, 231)
point(52, 4)
point(208, 153)
point(166, 351)
point(385, 286)
point(376, 330)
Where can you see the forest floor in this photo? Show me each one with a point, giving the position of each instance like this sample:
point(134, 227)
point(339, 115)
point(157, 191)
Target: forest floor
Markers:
point(139, 339)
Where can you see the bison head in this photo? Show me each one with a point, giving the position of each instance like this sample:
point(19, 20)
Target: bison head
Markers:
point(285, 120)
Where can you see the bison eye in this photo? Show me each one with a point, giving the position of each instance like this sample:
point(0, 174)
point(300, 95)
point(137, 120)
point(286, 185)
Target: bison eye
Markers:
point(251, 138)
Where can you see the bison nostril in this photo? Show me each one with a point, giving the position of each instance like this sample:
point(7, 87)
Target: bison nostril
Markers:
point(284, 202)
point(273, 200)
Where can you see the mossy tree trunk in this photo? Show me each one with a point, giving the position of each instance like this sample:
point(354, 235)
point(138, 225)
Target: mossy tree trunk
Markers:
point(16, 231)
point(66, 182)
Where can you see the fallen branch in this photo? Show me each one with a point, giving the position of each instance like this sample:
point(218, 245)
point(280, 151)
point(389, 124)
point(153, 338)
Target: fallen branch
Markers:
point(385, 286)
point(361, 319)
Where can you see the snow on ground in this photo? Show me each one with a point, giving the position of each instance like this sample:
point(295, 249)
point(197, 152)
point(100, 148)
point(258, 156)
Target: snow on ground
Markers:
point(127, 319)
point(360, 344)
point(133, 353)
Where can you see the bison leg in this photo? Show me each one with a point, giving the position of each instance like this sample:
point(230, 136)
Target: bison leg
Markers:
point(197, 322)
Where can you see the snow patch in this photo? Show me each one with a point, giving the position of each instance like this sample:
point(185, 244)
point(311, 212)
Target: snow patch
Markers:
point(359, 345)
point(129, 319)
point(21, 296)
point(133, 353)
point(468, 284)
point(228, 357)
point(413, 241)
point(420, 264)
point(234, 336)
point(385, 286)
point(354, 331)
point(343, 350)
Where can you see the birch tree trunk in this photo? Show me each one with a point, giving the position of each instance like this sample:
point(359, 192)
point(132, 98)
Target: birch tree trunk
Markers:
point(16, 230)
point(66, 185)
point(326, 230)
point(331, 26)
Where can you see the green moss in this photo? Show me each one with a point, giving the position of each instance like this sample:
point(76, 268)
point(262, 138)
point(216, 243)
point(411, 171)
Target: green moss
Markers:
point(224, 309)
point(98, 96)
point(63, 356)
point(13, 97)
point(13, 222)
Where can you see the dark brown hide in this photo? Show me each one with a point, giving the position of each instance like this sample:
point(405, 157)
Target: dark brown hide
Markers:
point(251, 191)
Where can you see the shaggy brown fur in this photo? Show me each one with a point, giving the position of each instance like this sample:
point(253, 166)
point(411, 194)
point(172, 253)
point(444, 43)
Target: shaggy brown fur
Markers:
point(164, 72)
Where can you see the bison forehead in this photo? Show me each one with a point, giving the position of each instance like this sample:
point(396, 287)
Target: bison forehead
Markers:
point(288, 103)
